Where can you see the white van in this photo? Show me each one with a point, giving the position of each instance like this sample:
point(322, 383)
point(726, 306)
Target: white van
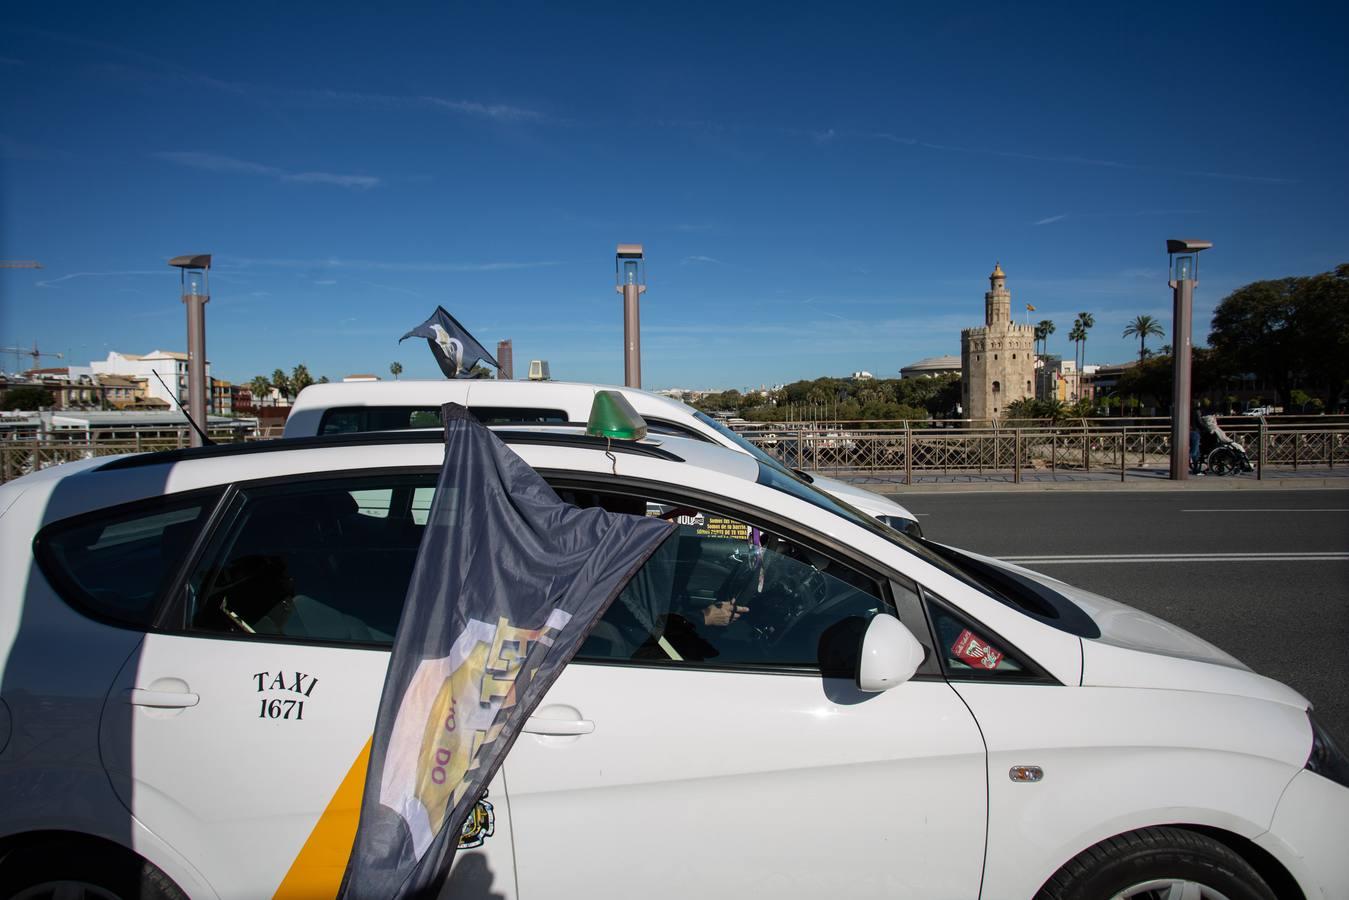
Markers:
point(352, 407)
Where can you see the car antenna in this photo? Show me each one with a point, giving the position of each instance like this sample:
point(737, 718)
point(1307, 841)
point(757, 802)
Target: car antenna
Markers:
point(205, 441)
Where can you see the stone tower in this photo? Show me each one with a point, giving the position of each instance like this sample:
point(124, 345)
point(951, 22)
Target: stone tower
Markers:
point(997, 362)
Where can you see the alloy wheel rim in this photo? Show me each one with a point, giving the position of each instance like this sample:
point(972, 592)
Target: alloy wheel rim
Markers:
point(1170, 889)
point(66, 889)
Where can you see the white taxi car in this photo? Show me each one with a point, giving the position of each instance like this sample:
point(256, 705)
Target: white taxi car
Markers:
point(359, 406)
point(193, 644)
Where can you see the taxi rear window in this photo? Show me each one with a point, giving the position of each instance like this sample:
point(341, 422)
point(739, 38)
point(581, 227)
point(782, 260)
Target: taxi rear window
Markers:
point(115, 565)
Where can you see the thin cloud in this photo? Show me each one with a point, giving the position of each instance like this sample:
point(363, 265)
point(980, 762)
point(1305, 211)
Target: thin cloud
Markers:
point(48, 282)
point(1105, 163)
point(10, 61)
point(1052, 219)
point(326, 281)
point(702, 259)
point(359, 182)
point(373, 265)
point(212, 162)
point(500, 112)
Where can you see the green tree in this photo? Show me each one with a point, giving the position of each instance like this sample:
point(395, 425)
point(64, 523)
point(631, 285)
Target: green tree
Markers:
point(1078, 335)
point(1086, 320)
point(395, 369)
point(1255, 330)
point(27, 397)
point(261, 388)
point(300, 378)
point(281, 382)
point(1143, 327)
point(1043, 329)
point(323, 379)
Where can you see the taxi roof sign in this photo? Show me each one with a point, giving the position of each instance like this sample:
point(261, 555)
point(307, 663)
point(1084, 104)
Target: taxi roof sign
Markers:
point(612, 416)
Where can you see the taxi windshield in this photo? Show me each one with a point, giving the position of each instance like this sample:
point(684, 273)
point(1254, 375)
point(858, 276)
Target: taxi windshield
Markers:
point(1023, 594)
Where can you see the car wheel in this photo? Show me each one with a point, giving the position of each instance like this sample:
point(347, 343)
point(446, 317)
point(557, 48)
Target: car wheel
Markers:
point(1157, 864)
point(81, 870)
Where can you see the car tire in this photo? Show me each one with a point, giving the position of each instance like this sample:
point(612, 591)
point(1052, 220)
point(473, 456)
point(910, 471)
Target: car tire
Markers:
point(81, 868)
point(1147, 864)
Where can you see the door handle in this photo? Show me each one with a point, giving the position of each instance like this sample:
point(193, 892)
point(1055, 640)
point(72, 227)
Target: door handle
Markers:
point(162, 699)
point(535, 725)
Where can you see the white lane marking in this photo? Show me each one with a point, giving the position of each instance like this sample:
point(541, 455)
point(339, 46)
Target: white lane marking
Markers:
point(1324, 556)
point(1311, 509)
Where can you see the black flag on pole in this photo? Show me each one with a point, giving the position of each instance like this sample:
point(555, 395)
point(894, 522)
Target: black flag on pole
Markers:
point(508, 581)
point(455, 350)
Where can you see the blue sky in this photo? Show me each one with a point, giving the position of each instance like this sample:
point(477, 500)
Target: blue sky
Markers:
point(819, 189)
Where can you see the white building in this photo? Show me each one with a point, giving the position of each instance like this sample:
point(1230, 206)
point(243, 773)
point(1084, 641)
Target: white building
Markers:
point(167, 364)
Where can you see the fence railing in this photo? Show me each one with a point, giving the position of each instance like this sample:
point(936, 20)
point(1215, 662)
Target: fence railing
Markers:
point(22, 454)
point(1084, 446)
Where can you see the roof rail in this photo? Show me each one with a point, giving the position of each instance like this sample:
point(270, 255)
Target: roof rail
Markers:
point(380, 438)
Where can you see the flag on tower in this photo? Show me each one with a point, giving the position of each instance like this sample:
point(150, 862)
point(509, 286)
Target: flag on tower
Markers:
point(1029, 308)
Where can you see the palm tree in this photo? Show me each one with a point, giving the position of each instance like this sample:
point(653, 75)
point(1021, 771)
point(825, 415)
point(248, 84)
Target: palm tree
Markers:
point(1086, 320)
point(1043, 330)
point(281, 383)
point(1142, 328)
point(395, 369)
point(1078, 335)
point(261, 388)
point(300, 378)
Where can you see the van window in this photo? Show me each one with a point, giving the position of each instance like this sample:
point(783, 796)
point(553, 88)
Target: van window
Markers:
point(360, 419)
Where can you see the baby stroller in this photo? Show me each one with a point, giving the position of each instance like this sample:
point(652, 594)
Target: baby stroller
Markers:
point(1221, 454)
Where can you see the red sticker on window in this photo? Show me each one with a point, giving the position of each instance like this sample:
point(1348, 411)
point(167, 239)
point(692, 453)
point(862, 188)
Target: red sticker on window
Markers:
point(972, 649)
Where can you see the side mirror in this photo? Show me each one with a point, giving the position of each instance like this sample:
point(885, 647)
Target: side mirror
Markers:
point(890, 655)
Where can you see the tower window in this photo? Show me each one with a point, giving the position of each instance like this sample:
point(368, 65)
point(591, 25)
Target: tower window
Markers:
point(996, 387)
point(1013, 356)
point(1028, 388)
point(995, 356)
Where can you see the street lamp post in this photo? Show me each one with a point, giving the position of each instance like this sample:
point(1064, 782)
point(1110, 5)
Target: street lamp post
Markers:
point(1184, 256)
point(196, 294)
point(630, 273)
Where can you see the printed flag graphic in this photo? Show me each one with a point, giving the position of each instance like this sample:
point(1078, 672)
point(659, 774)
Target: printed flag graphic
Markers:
point(508, 581)
point(455, 350)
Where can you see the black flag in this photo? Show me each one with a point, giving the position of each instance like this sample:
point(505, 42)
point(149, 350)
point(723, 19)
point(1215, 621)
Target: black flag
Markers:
point(509, 580)
point(454, 348)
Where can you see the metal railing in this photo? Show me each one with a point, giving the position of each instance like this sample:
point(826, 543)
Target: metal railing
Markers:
point(1084, 445)
point(904, 453)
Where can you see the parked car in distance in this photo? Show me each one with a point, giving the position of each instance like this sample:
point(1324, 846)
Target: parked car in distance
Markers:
point(193, 646)
point(343, 408)
point(1261, 411)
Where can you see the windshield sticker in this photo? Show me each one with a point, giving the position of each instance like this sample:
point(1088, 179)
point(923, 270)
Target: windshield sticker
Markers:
point(973, 650)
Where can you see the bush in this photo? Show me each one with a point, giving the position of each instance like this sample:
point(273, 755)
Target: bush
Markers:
point(27, 397)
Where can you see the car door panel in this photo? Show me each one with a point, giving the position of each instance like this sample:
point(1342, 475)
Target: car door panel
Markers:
point(732, 784)
point(262, 803)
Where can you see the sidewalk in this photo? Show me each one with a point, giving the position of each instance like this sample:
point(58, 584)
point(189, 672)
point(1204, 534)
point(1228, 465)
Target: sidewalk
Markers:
point(1136, 479)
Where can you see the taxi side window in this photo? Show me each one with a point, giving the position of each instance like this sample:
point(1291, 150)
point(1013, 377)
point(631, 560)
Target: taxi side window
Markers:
point(723, 593)
point(314, 561)
point(116, 564)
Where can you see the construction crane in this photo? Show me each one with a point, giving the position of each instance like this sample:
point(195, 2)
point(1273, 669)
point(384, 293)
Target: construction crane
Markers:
point(35, 353)
point(20, 264)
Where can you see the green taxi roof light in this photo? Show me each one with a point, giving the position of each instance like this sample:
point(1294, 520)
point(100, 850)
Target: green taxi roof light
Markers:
point(612, 416)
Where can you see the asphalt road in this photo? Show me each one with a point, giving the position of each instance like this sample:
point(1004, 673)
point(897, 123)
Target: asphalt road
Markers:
point(1262, 574)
